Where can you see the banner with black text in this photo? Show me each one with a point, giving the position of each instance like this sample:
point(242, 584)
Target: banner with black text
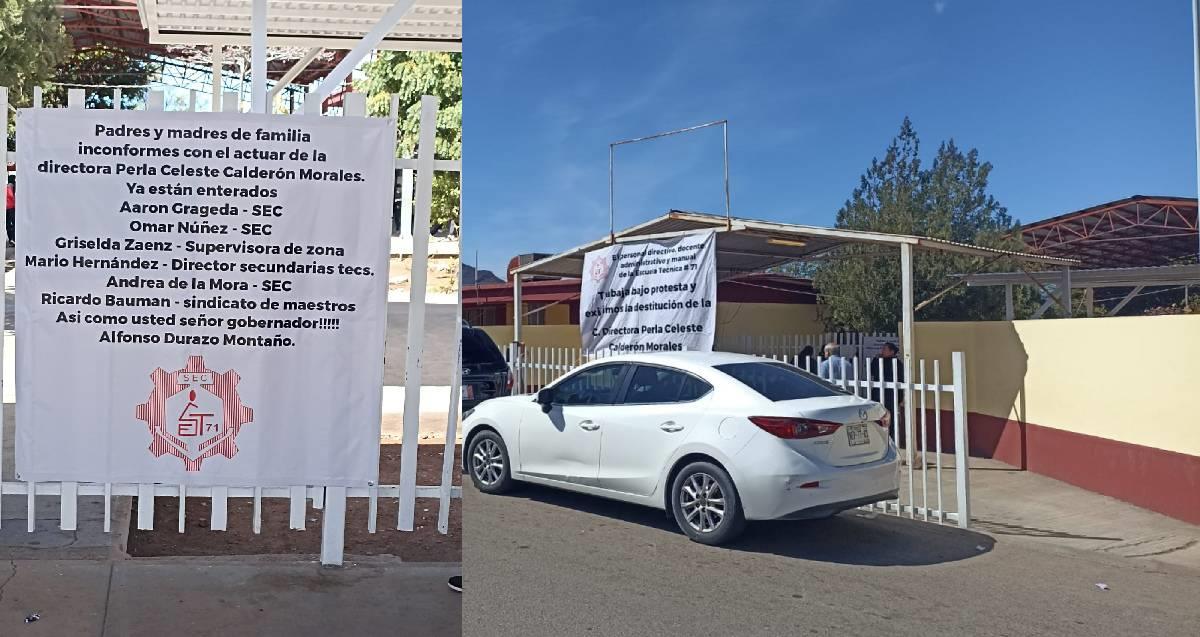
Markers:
point(201, 297)
point(657, 296)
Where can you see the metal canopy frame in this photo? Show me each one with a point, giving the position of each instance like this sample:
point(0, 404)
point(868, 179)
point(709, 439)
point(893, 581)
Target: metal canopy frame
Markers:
point(1136, 278)
point(111, 23)
point(1137, 231)
point(118, 24)
point(745, 245)
point(361, 26)
point(427, 25)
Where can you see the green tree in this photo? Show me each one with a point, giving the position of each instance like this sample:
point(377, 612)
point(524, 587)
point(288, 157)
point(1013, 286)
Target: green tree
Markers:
point(948, 200)
point(32, 43)
point(411, 75)
point(101, 65)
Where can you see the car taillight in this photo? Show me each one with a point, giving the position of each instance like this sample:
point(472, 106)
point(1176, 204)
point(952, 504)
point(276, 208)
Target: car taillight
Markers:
point(795, 428)
point(508, 382)
point(886, 421)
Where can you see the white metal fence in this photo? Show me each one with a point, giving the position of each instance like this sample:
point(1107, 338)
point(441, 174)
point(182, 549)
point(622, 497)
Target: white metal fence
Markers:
point(332, 500)
point(541, 365)
point(930, 427)
point(851, 344)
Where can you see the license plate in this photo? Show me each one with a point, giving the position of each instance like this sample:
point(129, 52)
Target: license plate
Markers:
point(469, 392)
point(858, 434)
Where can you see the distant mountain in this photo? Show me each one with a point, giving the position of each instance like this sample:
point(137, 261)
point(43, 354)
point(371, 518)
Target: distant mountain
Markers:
point(485, 276)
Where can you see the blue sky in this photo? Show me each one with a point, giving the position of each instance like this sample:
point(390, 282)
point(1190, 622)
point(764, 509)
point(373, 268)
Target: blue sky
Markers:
point(1075, 103)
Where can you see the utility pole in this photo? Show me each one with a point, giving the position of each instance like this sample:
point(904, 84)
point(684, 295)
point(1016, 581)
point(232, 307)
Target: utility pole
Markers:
point(1196, 87)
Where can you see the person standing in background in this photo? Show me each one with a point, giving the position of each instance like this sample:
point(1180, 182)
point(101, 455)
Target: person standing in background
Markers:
point(805, 359)
point(892, 371)
point(893, 399)
point(835, 367)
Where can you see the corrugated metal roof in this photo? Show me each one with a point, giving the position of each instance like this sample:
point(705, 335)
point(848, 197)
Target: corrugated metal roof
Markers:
point(743, 245)
point(1137, 231)
point(430, 25)
point(1095, 278)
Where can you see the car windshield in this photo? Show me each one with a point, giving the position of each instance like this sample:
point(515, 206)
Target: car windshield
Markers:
point(479, 348)
point(777, 381)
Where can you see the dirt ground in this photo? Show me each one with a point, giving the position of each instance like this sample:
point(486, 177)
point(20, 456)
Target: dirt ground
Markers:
point(443, 274)
point(424, 544)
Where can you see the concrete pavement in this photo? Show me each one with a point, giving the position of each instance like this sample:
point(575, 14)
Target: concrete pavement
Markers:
point(1006, 501)
point(545, 562)
point(261, 596)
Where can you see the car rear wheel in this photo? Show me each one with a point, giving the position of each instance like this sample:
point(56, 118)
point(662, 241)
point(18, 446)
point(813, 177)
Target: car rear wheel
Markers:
point(706, 505)
point(488, 462)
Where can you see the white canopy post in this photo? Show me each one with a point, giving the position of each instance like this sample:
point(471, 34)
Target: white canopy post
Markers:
point(364, 46)
point(218, 65)
point(906, 291)
point(516, 344)
point(907, 338)
point(258, 57)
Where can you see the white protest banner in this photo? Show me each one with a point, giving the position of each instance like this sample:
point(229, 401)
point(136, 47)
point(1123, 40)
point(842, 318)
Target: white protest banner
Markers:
point(201, 298)
point(657, 296)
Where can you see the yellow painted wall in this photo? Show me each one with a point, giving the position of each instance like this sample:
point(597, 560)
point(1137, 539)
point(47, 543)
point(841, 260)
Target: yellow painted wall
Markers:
point(559, 314)
point(752, 319)
point(1129, 379)
point(536, 335)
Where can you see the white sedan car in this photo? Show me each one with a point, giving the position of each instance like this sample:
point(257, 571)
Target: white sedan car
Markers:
point(714, 439)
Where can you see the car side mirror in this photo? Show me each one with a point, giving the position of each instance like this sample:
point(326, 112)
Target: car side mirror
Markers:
point(545, 398)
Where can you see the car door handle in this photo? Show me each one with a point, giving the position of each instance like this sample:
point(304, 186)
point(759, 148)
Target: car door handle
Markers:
point(588, 425)
point(670, 427)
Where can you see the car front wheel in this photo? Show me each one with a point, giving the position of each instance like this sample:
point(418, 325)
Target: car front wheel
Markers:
point(706, 505)
point(488, 462)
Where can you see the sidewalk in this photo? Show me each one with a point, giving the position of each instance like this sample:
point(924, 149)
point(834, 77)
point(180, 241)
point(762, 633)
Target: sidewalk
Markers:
point(1027, 507)
point(266, 595)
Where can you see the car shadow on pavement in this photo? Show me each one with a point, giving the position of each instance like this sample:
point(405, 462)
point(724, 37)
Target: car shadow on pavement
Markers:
point(865, 538)
point(855, 537)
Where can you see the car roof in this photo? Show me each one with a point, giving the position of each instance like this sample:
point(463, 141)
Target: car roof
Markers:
point(684, 360)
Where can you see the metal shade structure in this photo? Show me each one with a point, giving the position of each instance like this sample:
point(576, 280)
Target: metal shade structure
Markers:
point(1137, 231)
point(746, 245)
point(749, 245)
point(1136, 278)
point(358, 26)
point(427, 25)
point(1097, 278)
point(110, 23)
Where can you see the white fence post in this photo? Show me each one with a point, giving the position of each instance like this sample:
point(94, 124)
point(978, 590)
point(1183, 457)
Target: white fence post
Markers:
point(68, 496)
point(4, 233)
point(333, 527)
point(416, 313)
point(961, 438)
point(448, 464)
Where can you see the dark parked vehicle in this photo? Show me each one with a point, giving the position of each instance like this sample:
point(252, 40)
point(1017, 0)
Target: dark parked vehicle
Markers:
point(485, 373)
